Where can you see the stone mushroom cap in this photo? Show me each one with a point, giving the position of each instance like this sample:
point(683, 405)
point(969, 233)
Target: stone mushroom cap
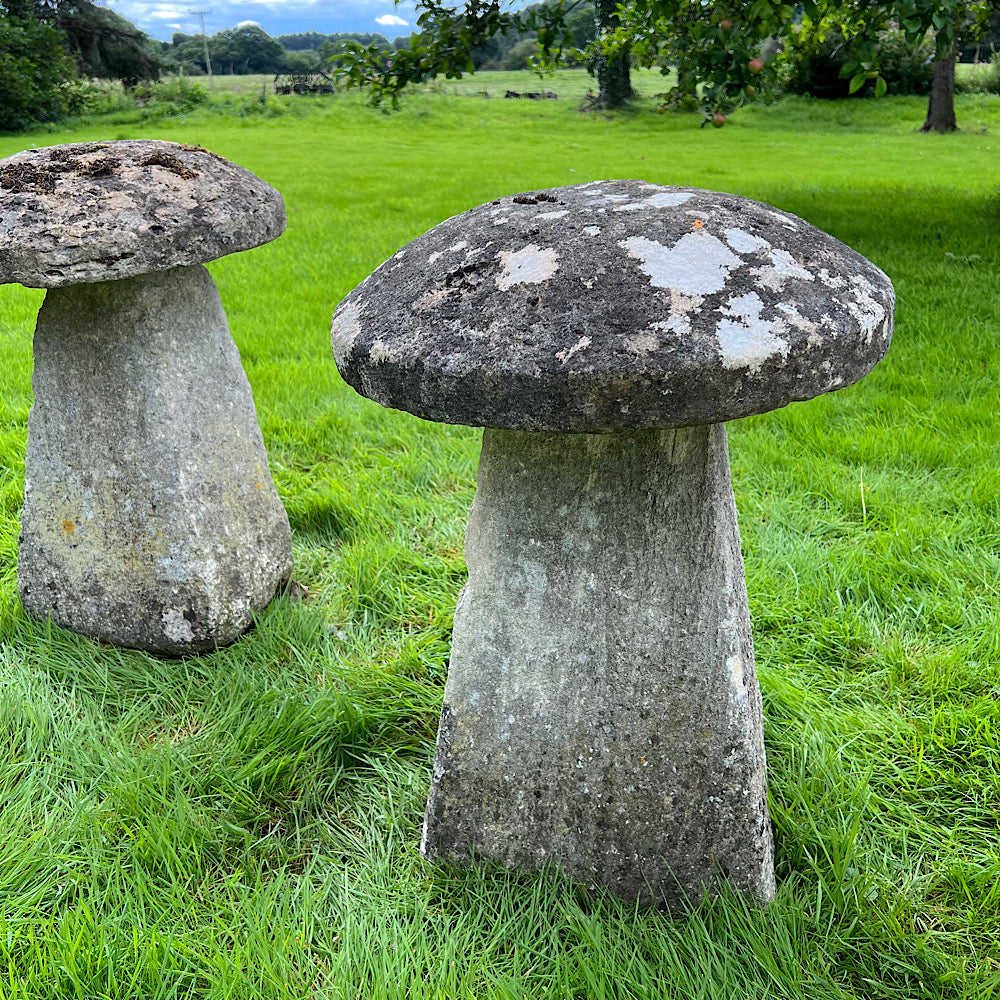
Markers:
point(611, 305)
point(98, 211)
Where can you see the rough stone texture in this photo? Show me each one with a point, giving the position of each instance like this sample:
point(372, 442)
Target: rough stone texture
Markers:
point(150, 518)
point(96, 211)
point(601, 708)
point(616, 304)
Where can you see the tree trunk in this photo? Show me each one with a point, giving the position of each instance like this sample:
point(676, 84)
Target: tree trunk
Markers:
point(614, 82)
point(941, 106)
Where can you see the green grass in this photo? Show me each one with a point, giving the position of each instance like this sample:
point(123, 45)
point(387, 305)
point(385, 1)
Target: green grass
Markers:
point(246, 824)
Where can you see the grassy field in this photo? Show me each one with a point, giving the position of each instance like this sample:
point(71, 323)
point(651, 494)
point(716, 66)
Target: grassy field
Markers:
point(246, 824)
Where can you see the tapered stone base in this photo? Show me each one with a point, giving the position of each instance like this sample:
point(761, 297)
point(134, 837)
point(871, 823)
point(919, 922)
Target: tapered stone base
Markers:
point(150, 517)
point(601, 709)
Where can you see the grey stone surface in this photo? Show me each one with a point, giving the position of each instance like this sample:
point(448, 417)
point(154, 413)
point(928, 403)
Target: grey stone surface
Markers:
point(610, 305)
point(150, 518)
point(96, 211)
point(601, 708)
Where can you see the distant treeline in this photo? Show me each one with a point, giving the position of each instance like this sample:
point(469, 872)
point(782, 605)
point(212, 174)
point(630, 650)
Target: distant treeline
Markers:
point(249, 49)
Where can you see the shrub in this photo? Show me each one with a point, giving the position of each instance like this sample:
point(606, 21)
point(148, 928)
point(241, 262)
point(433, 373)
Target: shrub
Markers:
point(979, 79)
point(33, 67)
point(88, 97)
point(173, 95)
point(520, 56)
point(810, 65)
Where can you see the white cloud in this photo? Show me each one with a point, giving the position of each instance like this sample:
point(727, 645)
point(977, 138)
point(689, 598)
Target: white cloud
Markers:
point(387, 20)
point(248, 24)
point(164, 15)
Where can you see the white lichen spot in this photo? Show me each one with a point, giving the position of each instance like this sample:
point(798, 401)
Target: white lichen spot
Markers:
point(431, 299)
point(530, 266)
point(379, 353)
point(743, 242)
point(735, 665)
point(679, 323)
point(867, 311)
point(786, 220)
point(552, 215)
point(798, 321)
point(746, 340)
point(642, 343)
point(684, 303)
point(592, 230)
point(345, 329)
point(581, 345)
point(697, 264)
point(785, 264)
point(669, 199)
point(831, 280)
point(175, 626)
point(461, 245)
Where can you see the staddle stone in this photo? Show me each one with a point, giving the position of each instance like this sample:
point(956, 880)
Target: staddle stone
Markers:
point(602, 711)
point(150, 517)
point(95, 211)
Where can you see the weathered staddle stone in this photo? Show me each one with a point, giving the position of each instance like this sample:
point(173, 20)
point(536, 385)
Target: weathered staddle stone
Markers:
point(150, 518)
point(602, 710)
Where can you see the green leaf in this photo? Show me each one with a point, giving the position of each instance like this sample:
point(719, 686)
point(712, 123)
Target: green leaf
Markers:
point(880, 87)
point(849, 69)
point(857, 82)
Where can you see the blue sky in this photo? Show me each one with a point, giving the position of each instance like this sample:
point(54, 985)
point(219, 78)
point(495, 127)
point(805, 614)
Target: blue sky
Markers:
point(276, 17)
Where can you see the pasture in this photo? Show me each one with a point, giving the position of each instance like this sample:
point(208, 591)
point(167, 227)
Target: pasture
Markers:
point(246, 824)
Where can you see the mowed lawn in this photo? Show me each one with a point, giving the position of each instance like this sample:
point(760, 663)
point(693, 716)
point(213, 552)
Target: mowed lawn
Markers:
point(246, 824)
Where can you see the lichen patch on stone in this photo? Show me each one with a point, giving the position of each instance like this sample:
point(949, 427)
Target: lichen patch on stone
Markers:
point(787, 266)
point(530, 266)
point(642, 343)
point(430, 299)
point(345, 329)
point(438, 254)
point(746, 339)
point(552, 215)
point(582, 344)
point(379, 353)
point(176, 627)
point(668, 199)
point(796, 319)
point(743, 242)
point(869, 313)
point(697, 264)
point(679, 323)
point(592, 230)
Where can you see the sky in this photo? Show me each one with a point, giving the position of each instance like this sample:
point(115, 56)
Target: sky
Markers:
point(161, 18)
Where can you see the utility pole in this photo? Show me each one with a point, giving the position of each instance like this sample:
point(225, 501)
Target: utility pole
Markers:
point(204, 38)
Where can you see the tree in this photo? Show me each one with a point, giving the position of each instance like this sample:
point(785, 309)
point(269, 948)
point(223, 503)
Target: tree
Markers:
point(448, 37)
point(33, 68)
point(718, 55)
point(715, 48)
point(247, 48)
point(106, 45)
